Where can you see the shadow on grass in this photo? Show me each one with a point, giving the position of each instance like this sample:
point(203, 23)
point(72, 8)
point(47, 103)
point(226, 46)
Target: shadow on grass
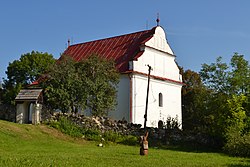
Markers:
point(239, 165)
point(194, 149)
point(185, 147)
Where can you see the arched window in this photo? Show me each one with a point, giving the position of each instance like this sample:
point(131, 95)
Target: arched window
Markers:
point(160, 100)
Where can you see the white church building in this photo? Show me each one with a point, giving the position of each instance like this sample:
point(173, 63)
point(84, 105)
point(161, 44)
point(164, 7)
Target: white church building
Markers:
point(133, 54)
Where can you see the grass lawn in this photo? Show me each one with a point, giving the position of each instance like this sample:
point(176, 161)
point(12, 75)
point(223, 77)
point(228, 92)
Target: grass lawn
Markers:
point(28, 145)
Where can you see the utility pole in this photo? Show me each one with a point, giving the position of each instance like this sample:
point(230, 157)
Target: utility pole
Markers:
point(146, 109)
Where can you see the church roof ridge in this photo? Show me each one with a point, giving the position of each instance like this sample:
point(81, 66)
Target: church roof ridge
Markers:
point(121, 48)
point(116, 36)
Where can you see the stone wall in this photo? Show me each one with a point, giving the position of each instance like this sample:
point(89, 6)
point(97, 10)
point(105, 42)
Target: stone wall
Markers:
point(156, 135)
point(100, 123)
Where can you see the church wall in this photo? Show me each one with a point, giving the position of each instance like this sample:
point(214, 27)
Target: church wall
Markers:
point(171, 94)
point(157, 54)
point(123, 100)
point(163, 64)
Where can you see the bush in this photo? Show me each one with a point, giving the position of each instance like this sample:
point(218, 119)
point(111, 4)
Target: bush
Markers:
point(92, 134)
point(130, 140)
point(119, 138)
point(172, 123)
point(237, 144)
point(67, 126)
point(112, 136)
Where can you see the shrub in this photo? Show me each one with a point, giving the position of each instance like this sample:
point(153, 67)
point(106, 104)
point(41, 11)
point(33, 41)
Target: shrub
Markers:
point(172, 123)
point(119, 138)
point(67, 126)
point(237, 144)
point(112, 136)
point(92, 134)
point(130, 140)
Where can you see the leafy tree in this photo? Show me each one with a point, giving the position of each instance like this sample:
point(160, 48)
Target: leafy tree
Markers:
point(64, 86)
point(194, 94)
point(240, 75)
point(237, 134)
point(23, 72)
point(102, 79)
point(229, 92)
point(237, 116)
point(215, 76)
point(90, 83)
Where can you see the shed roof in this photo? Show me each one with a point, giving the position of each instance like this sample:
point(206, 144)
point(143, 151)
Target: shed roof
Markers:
point(28, 94)
point(121, 49)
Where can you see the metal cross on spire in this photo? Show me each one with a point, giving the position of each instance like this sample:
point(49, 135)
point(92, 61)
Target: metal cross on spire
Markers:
point(158, 19)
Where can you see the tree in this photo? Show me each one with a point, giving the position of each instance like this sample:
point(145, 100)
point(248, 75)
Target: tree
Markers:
point(215, 76)
point(194, 94)
point(240, 75)
point(90, 83)
point(102, 79)
point(237, 116)
point(64, 86)
point(23, 72)
point(229, 86)
point(229, 79)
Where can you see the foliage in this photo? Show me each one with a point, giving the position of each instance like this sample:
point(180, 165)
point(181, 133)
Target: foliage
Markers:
point(237, 136)
point(10, 92)
point(129, 140)
point(67, 126)
point(228, 87)
point(1, 93)
point(238, 144)
point(23, 72)
point(92, 134)
point(215, 76)
point(115, 137)
point(65, 86)
point(227, 79)
point(111, 136)
point(194, 98)
point(237, 116)
point(90, 83)
point(240, 75)
point(217, 98)
point(102, 79)
point(172, 123)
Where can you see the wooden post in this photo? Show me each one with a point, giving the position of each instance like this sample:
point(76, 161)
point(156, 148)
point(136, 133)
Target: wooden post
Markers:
point(146, 109)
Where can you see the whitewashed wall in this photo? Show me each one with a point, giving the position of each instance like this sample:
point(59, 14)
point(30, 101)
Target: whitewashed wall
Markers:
point(157, 54)
point(171, 100)
point(123, 99)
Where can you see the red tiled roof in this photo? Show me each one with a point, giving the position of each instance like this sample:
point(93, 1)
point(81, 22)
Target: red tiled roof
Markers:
point(121, 49)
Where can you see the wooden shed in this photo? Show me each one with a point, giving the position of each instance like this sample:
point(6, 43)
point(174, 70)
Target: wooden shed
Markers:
point(29, 106)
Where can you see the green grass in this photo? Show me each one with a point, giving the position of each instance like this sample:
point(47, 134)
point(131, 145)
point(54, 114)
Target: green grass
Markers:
point(28, 145)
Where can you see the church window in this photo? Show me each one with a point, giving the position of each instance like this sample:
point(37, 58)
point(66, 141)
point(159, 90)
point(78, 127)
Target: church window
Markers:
point(160, 100)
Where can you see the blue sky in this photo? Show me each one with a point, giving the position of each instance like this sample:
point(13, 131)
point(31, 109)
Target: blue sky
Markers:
point(198, 31)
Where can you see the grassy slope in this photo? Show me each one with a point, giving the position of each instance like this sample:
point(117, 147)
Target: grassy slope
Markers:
point(28, 145)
